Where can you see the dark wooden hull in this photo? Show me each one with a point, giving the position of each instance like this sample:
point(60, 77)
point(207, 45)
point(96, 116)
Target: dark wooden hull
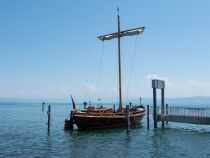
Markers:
point(88, 121)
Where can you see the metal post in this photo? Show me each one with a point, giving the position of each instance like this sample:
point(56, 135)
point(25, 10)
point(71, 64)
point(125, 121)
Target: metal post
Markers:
point(154, 108)
point(128, 117)
point(166, 112)
point(49, 116)
point(162, 105)
point(147, 116)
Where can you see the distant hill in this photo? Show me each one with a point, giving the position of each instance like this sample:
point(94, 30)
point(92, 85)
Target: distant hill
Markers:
point(184, 101)
point(11, 100)
point(35, 100)
point(198, 100)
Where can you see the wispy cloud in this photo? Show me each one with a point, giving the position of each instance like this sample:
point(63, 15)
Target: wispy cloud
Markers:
point(154, 76)
point(91, 88)
point(201, 87)
point(64, 89)
point(190, 87)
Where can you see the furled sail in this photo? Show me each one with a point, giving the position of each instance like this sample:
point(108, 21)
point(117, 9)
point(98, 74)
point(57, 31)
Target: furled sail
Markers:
point(130, 32)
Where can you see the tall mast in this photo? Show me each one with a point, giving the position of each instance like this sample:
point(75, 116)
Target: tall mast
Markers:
point(119, 62)
point(118, 35)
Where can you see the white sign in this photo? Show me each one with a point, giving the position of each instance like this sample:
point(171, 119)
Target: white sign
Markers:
point(158, 84)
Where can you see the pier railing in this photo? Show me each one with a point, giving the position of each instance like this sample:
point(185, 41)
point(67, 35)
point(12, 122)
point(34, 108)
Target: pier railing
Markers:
point(183, 115)
point(184, 111)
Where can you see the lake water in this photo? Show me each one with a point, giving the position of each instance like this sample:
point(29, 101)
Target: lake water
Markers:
point(23, 133)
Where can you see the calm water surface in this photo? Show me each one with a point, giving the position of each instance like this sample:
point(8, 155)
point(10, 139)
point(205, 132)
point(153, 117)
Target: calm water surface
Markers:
point(23, 133)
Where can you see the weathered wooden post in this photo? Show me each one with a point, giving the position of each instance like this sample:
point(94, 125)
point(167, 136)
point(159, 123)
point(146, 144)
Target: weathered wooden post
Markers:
point(49, 117)
point(43, 106)
point(166, 112)
point(147, 116)
point(85, 104)
point(162, 104)
point(128, 118)
point(154, 108)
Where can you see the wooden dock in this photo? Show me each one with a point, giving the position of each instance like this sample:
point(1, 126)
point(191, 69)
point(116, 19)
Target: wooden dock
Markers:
point(185, 115)
point(175, 114)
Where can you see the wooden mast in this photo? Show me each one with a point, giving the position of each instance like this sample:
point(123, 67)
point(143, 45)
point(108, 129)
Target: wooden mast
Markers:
point(118, 35)
point(119, 62)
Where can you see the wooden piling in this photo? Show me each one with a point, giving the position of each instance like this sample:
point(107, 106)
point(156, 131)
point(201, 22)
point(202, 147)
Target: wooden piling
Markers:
point(130, 104)
point(166, 112)
point(147, 116)
point(49, 117)
point(154, 108)
point(128, 118)
point(162, 104)
point(43, 106)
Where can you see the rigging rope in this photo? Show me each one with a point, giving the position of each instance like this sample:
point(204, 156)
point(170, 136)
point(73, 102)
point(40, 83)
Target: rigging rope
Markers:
point(100, 65)
point(132, 65)
point(86, 89)
point(99, 68)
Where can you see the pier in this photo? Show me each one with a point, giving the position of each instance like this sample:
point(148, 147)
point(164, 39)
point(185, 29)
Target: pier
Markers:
point(175, 114)
point(185, 115)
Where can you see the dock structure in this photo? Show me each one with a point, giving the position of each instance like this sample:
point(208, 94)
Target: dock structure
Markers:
point(176, 114)
point(185, 115)
point(158, 84)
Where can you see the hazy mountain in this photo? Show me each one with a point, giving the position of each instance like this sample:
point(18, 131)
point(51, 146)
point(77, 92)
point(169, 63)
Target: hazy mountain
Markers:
point(184, 101)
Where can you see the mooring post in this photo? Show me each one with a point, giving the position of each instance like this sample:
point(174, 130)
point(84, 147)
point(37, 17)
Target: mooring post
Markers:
point(162, 105)
point(147, 116)
point(166, 112)
point(48, 113)
point(128, 118)
point(43, 106)
point(154, 108)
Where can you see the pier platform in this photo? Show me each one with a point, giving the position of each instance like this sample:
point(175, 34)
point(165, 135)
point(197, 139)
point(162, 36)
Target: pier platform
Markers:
point(185, 115)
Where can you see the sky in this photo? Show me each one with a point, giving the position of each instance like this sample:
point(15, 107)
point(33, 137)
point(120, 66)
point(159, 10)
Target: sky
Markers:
point(49, 49)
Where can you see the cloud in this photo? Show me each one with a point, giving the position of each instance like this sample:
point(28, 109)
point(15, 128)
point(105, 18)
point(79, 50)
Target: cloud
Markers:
point(186, 88)
point(189, 88)
point(91, 88)
point(154, 76)
point(64, 89)
point(197, 83)
point(199, 86)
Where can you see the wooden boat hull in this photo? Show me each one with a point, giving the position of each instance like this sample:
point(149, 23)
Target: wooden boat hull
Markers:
point(88, 121)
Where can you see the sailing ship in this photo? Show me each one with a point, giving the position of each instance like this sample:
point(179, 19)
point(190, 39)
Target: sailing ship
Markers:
point(105, 117)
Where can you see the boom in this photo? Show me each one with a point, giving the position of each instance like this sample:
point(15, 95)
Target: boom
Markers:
point(129, 32)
